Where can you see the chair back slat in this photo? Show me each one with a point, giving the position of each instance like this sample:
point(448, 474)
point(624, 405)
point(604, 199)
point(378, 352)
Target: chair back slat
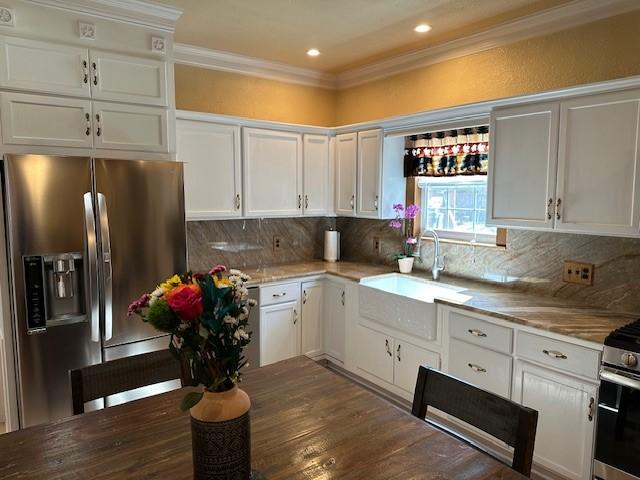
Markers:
point(500, 417)
point(117, 376)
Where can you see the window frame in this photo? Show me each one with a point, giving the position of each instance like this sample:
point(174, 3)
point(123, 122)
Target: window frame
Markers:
point(418, 192)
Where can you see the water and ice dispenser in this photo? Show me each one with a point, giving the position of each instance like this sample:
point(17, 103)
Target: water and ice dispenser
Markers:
point(54, 290)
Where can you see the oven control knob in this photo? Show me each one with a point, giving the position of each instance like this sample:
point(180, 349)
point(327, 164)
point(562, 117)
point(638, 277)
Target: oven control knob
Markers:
point(629, 360)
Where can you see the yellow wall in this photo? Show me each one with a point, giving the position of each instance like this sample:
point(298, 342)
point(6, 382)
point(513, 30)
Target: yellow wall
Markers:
point(598, 51)
point(232, 94)
point(594, 52)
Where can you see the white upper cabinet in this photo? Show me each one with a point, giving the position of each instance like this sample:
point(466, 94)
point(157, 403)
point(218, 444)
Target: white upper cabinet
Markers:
point(599, 164)
point(129, 127)
point(123, 78)
point(589, 184)
point(211, 156)
point(44, 67)
point(345, 173)
point(316, 170)
point(44, 120)
point(272, 165)
point(369, 160)
point(522, 166)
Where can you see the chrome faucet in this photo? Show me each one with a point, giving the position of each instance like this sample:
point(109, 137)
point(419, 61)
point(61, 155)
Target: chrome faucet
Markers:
point(438, 258)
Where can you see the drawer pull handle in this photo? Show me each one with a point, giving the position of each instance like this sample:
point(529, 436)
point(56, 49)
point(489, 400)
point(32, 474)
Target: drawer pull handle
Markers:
point(304, 297)
point(342, 298)
point(295, 316)
point(477, 368)
point(386, 342)
point(555, 354)
point(477, 333)
point(590, 408)
point(281, 294)
point(398, 352)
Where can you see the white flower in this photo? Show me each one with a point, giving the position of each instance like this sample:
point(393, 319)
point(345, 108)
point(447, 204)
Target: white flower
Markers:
point(252, 302)
point(240, 334)
point(155, 295)
point(230, 320)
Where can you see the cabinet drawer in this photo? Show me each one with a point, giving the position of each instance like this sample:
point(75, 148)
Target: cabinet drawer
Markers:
point(555, 353)
point(479, 332)
point(272, 294)
point(481, 367)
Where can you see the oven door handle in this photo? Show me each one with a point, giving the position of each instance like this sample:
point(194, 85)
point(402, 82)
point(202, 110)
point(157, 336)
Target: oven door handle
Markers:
point(619, 378)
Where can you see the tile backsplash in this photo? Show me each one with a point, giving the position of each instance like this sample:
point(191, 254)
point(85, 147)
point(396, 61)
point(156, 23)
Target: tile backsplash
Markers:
point(249, 243)
point(532, 261)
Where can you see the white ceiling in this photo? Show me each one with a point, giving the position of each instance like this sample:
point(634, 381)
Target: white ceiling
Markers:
point(348, 33)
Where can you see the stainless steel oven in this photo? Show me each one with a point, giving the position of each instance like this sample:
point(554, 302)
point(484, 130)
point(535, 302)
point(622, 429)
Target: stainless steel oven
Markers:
point(617, 453)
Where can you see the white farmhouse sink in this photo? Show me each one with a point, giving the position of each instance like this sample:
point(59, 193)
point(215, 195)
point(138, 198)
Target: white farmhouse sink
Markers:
point(405, 303)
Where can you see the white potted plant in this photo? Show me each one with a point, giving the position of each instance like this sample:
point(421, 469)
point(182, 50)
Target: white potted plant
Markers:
point(405, 217)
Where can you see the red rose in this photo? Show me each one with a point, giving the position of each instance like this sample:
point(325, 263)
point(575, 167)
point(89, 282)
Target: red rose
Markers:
point(186, 301)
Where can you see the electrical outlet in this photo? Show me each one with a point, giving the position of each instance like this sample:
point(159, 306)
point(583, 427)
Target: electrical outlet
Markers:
point(277, 243)
point(578, 272)
point(377, 245)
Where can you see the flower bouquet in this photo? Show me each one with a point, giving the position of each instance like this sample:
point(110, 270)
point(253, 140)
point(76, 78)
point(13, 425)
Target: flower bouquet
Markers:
point(405, 218)
point(207, 318)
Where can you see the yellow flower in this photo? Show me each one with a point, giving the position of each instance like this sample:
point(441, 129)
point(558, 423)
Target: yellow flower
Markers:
point(221, 282)
point(171, 283)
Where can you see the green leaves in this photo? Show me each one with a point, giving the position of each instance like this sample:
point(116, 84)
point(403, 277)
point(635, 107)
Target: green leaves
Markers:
point(162, 317)
point(190, 399)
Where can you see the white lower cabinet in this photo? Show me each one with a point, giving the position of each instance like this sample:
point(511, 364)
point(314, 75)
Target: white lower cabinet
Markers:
point(279, 332)
point(392, 360)
point(481, 367)
point(312, 318)
point(566, 407)
point(335, 319)
point(407, 361)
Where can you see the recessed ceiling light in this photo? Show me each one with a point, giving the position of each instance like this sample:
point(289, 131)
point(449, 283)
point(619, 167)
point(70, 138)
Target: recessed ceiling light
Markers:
point(313, 52)
point(422, 28)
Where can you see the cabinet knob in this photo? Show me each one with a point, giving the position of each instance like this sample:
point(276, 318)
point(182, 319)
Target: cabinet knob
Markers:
point(304, 297)
point(99, 129)
point(306, 201)
point(299, 201)
point(555, 354)
point(477, 368)
point(87, 132)
point(238, 201)
point(295, 316)
point(85, 72)
point(95, 73)
point(352, 201)
point(386, 343)
point(549, 205)
point(398, 352)
point(558, 203)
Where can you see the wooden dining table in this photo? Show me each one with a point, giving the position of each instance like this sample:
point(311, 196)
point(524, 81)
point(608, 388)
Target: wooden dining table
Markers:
point(307, 422)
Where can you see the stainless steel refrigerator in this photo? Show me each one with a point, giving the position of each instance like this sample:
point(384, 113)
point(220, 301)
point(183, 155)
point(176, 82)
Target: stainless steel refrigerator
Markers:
point(85, 237)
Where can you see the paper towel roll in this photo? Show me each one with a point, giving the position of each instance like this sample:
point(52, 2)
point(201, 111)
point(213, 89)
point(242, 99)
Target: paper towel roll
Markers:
point(331, 246)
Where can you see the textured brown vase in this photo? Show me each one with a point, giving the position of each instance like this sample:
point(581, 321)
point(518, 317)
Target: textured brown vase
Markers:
point(220, 436)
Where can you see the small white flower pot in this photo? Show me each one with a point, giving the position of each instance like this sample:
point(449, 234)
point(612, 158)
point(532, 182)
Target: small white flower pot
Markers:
point(405, 264)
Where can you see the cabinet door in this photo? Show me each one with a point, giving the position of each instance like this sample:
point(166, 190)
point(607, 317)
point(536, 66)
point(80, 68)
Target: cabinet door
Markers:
point(522, 166)
point(129, 127)
point(272, 163)
point(408, 359)
point(316, 175)
point(346, 161)
point(122, 78)
point(279, 332)
point(375, 354)
point(44, 120)
point(212, 172)
point(335, 320)
point(599, 164)
point(44, 67)
point(312, 318)
point(565, 435)
point(369, 160)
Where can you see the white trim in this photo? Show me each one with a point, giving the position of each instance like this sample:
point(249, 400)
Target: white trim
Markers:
point(244, 65)
point(573, 14)
point(139, 12)
point(552, 20)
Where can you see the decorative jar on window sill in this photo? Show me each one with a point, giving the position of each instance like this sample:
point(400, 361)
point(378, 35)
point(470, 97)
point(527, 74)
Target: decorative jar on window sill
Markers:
point(405, 264)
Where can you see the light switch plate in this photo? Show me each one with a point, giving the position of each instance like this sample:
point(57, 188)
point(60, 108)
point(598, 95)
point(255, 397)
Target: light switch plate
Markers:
point(580, 273)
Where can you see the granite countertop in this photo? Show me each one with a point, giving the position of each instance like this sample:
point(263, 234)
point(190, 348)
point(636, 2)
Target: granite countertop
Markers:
point(558, 315)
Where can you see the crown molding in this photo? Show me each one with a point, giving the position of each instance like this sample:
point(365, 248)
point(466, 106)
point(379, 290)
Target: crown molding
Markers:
point(231, 62)
point(573, 14)
point(138, 12)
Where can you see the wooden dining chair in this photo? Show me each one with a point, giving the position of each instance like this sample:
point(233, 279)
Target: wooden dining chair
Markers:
point(501, 418)
point(117, 376)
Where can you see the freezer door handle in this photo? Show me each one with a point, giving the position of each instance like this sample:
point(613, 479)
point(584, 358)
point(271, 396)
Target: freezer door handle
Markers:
point(92, 267)
point(107, 269)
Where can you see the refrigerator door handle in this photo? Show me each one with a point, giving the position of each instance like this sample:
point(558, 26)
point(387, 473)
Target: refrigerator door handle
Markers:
point(92, 267)
point(107, 267)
